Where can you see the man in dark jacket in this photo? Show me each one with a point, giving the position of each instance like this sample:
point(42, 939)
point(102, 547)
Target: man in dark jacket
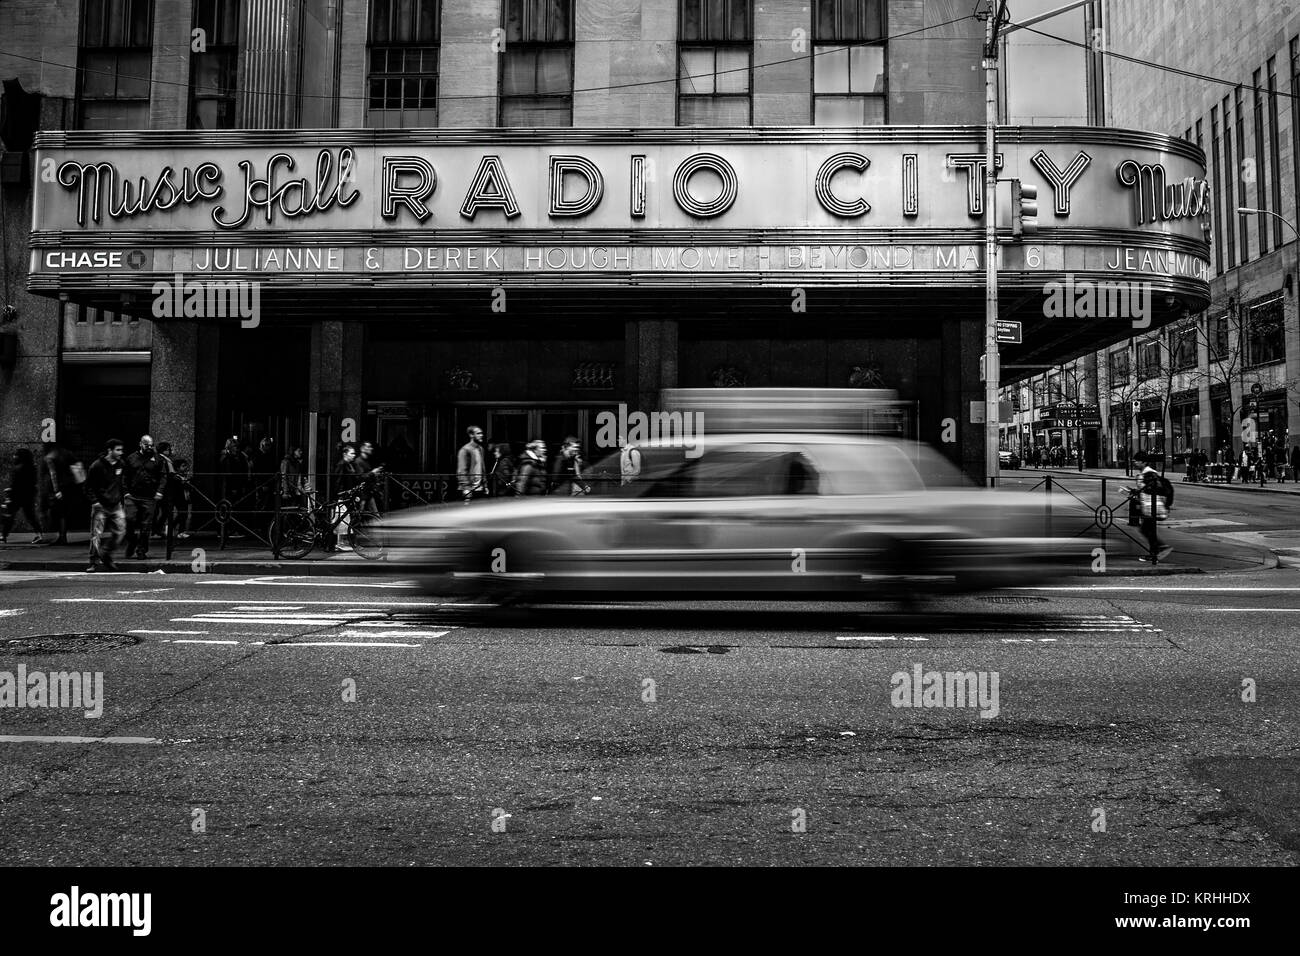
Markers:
point(105, 486)
point(531, 479)
point(146, 484)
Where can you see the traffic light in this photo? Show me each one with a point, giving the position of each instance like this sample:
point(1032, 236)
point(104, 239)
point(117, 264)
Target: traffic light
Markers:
point(1024, 209)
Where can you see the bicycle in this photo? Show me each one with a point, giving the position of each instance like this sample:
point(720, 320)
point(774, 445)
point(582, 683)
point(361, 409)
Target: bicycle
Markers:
point(302, 528)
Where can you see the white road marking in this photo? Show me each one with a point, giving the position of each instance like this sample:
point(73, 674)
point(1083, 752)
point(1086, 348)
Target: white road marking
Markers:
point(428, 634)
point(1252, 610)
point(878, 638)
point(12, 612)
point(341, 644)
point(1193, 588)
point(305, 621)
point(270, 607)
point(147, 591)
point(299, 582)
point(24, 739)
point(194, 641)
point(138, 631)
point(278, 606)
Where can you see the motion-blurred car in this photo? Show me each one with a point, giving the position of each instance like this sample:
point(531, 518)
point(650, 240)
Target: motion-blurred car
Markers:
point(770, 516)
point(1009, 459)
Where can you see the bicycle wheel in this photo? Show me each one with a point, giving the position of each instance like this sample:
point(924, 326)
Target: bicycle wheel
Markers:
point(297, 534)
point(367, 539)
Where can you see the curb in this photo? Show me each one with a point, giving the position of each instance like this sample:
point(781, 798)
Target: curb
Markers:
point(1235, 486)
point(296, 568)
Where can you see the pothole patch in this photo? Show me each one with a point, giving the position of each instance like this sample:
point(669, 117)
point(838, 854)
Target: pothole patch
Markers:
point(81, 643)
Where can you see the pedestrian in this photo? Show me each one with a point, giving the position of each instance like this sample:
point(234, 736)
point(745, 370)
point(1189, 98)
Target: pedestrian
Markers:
point(293, 479)
point(105, 487)
point(62, 474)
point(163, 522)
point(471, 469)
point(501, 476)
point(234, 471)
point(372, 470)
point(179, 491)
point(1295, 463)
point(1079, 455)
point(1155, 496)
point(146, 486)
point(530, 479)
point(566, 470)
point(20, 496)
point(349, 475)
point(264, 466)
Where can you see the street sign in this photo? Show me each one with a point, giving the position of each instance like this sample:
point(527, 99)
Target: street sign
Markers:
point(1103, 516)
point(1010, 331)
point(1248, 430)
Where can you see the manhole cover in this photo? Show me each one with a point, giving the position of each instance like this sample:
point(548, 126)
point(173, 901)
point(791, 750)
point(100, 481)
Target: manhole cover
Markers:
point(68, 643)
point(1015, 600)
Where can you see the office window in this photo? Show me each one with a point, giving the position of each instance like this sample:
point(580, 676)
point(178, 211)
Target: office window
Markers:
point(1261, 163)
point(1117, 363)
point(1054, 392)
point(213, 72)
point(1274, 150)
point(537, 66)
point(849, 63)
point(1215, 161)
point(1242, 221)
point(1264, 333)
point(1149, 359)
point(1230, 176)
point(1295, 120)
point(1182, 348)
point(1216, 338)
point(714, 59)
point(116, 56)
point(402, 58)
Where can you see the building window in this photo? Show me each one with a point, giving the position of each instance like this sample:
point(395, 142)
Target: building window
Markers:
point(1242, 221)
point(1149, 360)
point(1274, 150)
point(1182, 348)
point(1215, 162)
point(1295, 119)
point(1216, 336)
point(537, 66)
point(1261, 163)
point(213, 72)
point(849, 63)
point(116, 56)
point(1264, 333)
point(1117, 362)
point(1229, 176)
point(402, 53)
point(714, 58)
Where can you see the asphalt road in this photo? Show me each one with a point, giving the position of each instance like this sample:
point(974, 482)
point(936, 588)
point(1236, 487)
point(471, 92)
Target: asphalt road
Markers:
point(1120, 734)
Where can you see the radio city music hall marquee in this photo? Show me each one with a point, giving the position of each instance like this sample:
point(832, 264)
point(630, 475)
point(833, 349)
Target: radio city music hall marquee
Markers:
point(493, 204)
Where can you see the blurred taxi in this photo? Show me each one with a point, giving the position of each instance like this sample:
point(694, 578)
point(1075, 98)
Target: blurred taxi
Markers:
point(748, 515)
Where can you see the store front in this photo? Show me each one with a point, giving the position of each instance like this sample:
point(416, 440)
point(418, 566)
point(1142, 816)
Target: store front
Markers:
point(399, 286)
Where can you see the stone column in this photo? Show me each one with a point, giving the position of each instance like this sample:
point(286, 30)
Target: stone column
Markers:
point(623, 44)
point(782, 78)
point(335, 382)
point(169, 93)
point(173, 385)
point(1291, 325)
point(650, 349)
point(468, 65)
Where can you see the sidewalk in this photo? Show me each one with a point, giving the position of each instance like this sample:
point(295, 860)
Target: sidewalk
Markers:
point(1273, 487)
point(241, 556)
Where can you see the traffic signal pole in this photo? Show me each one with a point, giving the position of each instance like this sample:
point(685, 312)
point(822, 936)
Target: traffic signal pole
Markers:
point(992, 376)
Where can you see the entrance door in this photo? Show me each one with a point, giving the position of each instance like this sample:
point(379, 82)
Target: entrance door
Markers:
point(518, 425)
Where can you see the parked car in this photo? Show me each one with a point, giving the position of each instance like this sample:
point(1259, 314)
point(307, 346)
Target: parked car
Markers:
point(771, 516)
point(1009, 459)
